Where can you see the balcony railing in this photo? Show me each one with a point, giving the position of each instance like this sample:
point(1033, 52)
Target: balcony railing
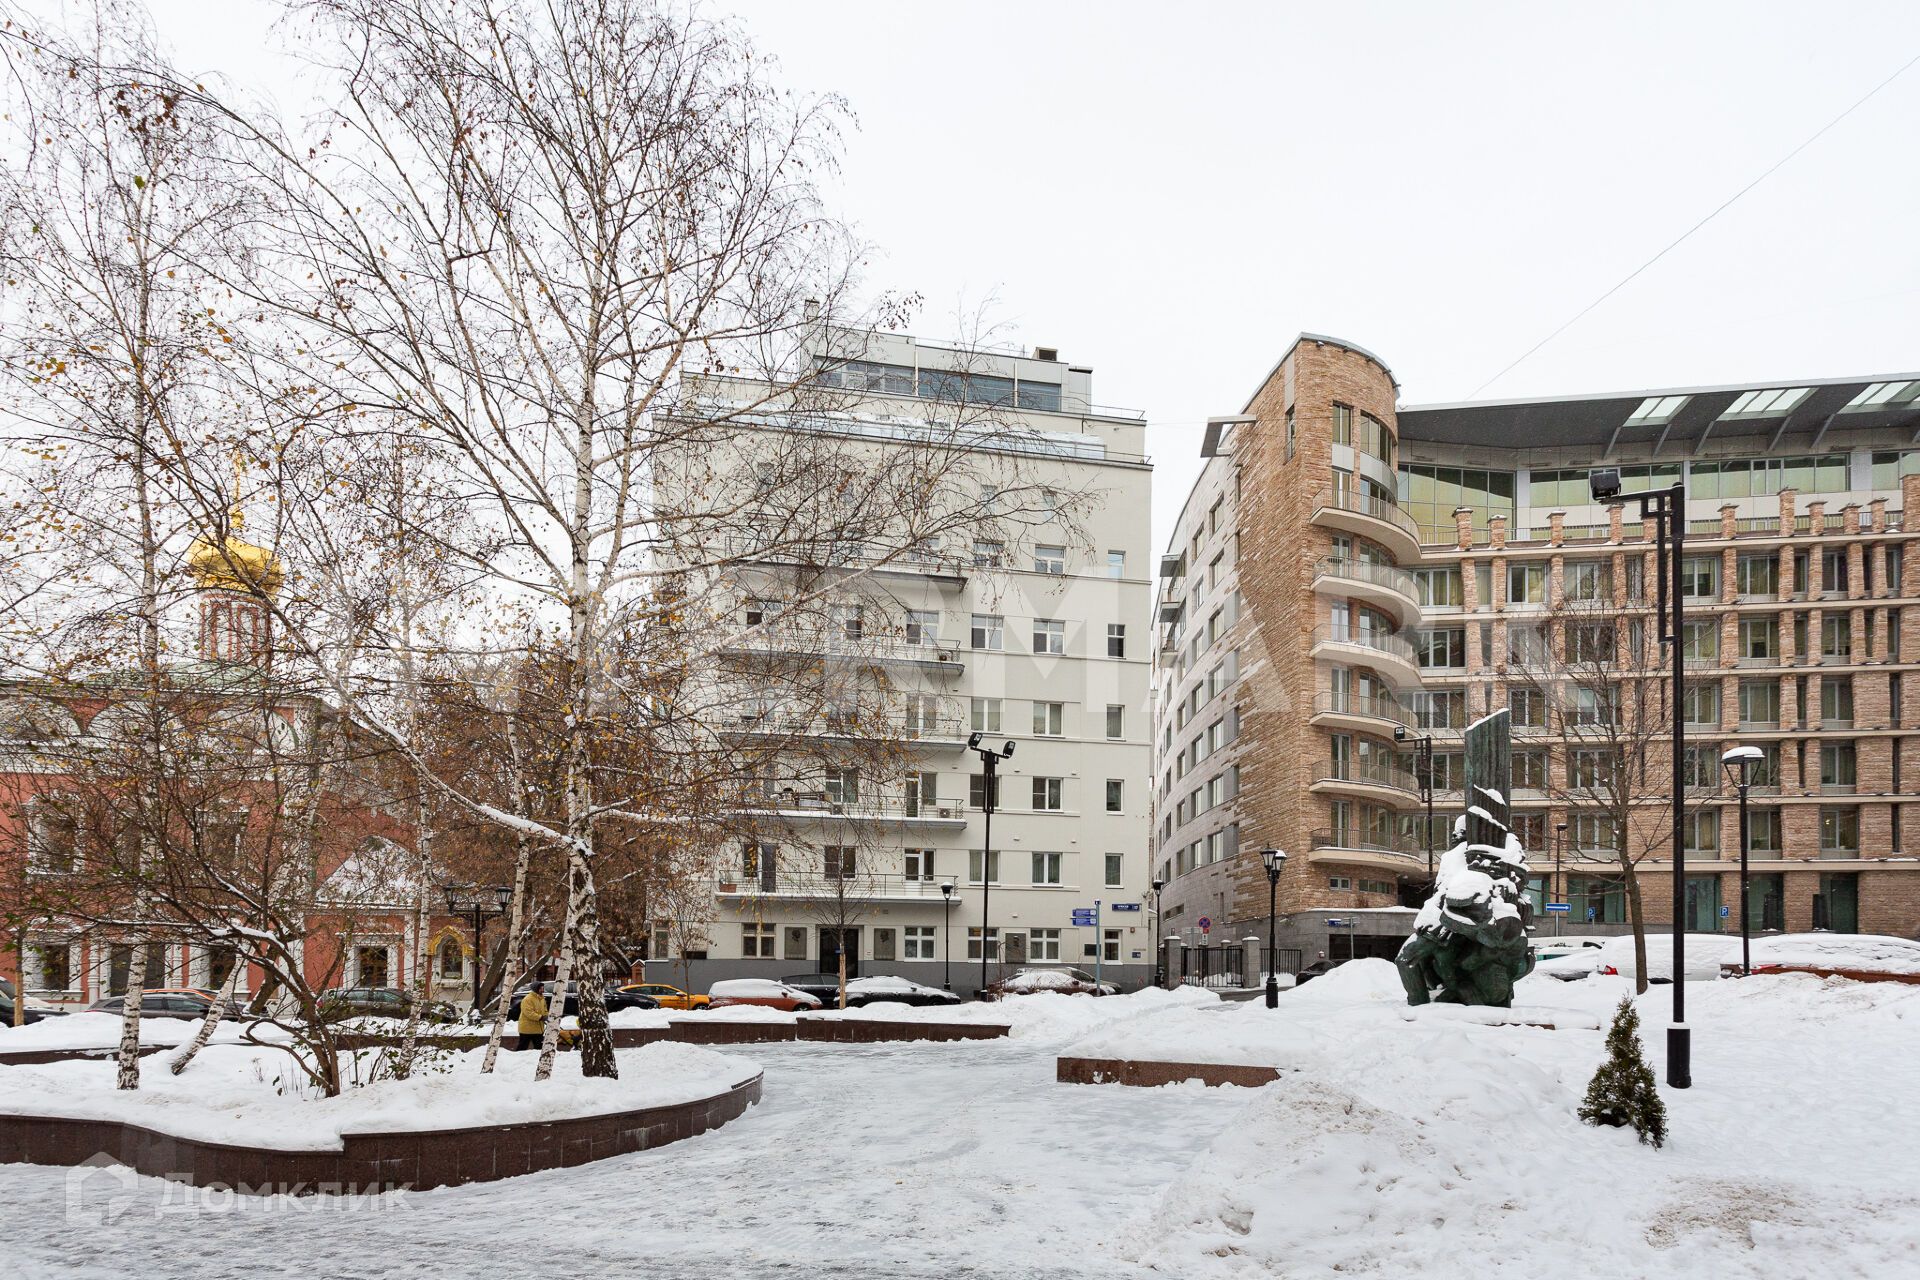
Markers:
point(825, 640)
point(1373, 774)
point(1381, 641)
point(919, 729)
point(856, 885)
point(1398, 581)
point(1375, 706)
point(1330, 838)
point(815, 804)
point(1347, 499)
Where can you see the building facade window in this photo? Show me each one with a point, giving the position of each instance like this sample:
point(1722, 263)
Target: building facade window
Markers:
point(917, 940)
point(1049, 636)
point(988, 631)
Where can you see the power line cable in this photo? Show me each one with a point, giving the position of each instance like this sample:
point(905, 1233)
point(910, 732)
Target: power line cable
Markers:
point(1695, 227)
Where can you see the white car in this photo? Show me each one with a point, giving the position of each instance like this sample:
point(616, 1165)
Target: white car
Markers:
point(760, 991)
point(1831, 952)
point(1705, 952)
point(1570, 966)
point(1548, 948)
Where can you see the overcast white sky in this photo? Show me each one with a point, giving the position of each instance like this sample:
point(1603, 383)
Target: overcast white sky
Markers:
point(1169, 192)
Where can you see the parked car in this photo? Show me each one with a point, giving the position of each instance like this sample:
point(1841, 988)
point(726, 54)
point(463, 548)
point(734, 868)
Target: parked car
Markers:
point(1067, 982)
point(1549, 948)
point(761, 991)
point(1569, 966)
point(665, 996)
point(887, 989)
point(618, 998)
point(170, 1002)
point(1704, 954)
point(824, 987)
point(1843, 953)
point(1309, 972)
point(36, 1007)
point(381, 1002)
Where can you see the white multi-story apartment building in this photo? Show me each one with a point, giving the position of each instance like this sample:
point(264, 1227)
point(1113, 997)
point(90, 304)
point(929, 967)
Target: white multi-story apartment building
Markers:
point(1029, 626)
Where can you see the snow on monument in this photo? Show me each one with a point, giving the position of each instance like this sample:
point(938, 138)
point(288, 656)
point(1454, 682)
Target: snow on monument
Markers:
point(1469, 943)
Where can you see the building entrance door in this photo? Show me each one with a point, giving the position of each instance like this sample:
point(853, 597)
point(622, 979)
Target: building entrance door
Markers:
point(831, 941)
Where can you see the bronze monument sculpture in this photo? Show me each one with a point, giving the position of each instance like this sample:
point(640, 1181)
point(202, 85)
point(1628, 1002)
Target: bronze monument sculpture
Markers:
point(1469, 943)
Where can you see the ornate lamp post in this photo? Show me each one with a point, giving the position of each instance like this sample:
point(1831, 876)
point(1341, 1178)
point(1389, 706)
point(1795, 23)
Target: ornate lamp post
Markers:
point(946, 936)
point(989, 761)
point(1669, 508)
point(1739, 763)
point(478, 903)
point(1159, 952)
point(1272, 860)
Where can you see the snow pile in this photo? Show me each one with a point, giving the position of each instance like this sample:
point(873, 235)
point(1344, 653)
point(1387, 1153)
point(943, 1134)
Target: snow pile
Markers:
point(1407, 1140)
point(250, 1095)
point(1866, 952)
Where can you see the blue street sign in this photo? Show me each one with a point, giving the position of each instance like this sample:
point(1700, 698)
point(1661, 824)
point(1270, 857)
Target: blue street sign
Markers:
point(1725, 912)
point(1206, 923)
point(1083, 917)
point(1126, 906)
point(1558, 908)
point(1339, 924)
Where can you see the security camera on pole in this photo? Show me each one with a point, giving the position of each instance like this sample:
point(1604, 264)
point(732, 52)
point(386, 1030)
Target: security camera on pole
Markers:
point(1668, 507)
point(989, 761)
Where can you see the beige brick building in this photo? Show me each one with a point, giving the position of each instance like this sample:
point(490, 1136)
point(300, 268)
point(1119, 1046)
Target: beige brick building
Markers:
point(1351, 577)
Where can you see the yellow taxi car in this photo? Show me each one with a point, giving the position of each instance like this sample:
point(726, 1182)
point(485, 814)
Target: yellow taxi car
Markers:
point(669, 997)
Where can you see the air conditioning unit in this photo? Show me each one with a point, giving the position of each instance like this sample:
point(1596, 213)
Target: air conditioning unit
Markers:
point(946, 657)
point(950, 811)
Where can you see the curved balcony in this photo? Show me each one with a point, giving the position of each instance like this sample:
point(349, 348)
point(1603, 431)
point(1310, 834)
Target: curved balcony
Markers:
point(1380, 585)
point(1360, 712)
point(1353, 850)
point(1387, 653)
point(1382, 783)
point(1344, 508)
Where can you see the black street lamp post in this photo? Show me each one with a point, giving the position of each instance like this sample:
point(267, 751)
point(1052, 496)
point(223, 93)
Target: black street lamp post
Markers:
point(1739, 762)
point(946, 936)
point(479, 903)
point(1423, 774)
point(1560, 875)
point(989, 796)
point(1669, 508)
point(1272, 860)
point(1159, 952)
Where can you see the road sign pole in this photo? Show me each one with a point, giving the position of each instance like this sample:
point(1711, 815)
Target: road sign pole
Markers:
point(1099, 944)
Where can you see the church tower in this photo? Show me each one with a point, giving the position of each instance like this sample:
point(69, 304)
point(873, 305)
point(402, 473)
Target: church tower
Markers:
point(236, 581)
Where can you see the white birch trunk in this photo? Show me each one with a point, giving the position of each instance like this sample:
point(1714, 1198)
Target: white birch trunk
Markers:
point(515, 919)
point(211, 1022)
point(556, 1008)
point(128, 1057)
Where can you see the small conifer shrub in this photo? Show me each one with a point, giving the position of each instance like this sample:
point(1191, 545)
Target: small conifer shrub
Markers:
point(1622, 1091)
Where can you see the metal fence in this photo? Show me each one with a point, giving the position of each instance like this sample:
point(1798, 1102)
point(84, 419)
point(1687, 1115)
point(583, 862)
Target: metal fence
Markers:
point(1213, 966)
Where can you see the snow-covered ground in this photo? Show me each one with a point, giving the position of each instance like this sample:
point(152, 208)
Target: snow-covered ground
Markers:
point(1407, 1143)
point(1429, 1140)
point(258, 1096)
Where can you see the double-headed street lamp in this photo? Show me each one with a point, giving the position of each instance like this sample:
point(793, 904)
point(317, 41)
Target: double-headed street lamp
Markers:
point(1272, 860)
point(479, 903)
point(1669, 508)
point(1739, 763)
point(946, 936)
point(989, 795)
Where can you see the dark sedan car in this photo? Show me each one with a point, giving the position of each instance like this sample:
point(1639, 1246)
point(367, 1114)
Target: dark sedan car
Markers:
point(381, 1002)
point(36, 1008)
point(886, 989)
point(824, 987)
point(172, 1002)
point(616, 1000)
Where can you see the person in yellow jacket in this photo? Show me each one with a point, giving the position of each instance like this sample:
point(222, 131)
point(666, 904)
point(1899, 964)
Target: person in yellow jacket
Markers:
point(533, 1018)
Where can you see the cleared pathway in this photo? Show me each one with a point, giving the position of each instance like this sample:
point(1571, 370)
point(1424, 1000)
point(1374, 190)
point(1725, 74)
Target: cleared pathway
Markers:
point(908, 1160)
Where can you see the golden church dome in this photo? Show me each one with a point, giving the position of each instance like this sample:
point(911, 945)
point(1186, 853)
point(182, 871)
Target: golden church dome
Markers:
point(235, 566)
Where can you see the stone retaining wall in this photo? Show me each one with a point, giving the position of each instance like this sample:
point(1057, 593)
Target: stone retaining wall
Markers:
point(371, 1162)
point(692, 1030)
point(1149, 1074)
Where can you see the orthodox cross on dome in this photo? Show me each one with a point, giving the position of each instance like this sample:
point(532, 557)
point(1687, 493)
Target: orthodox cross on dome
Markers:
point(236, 579)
